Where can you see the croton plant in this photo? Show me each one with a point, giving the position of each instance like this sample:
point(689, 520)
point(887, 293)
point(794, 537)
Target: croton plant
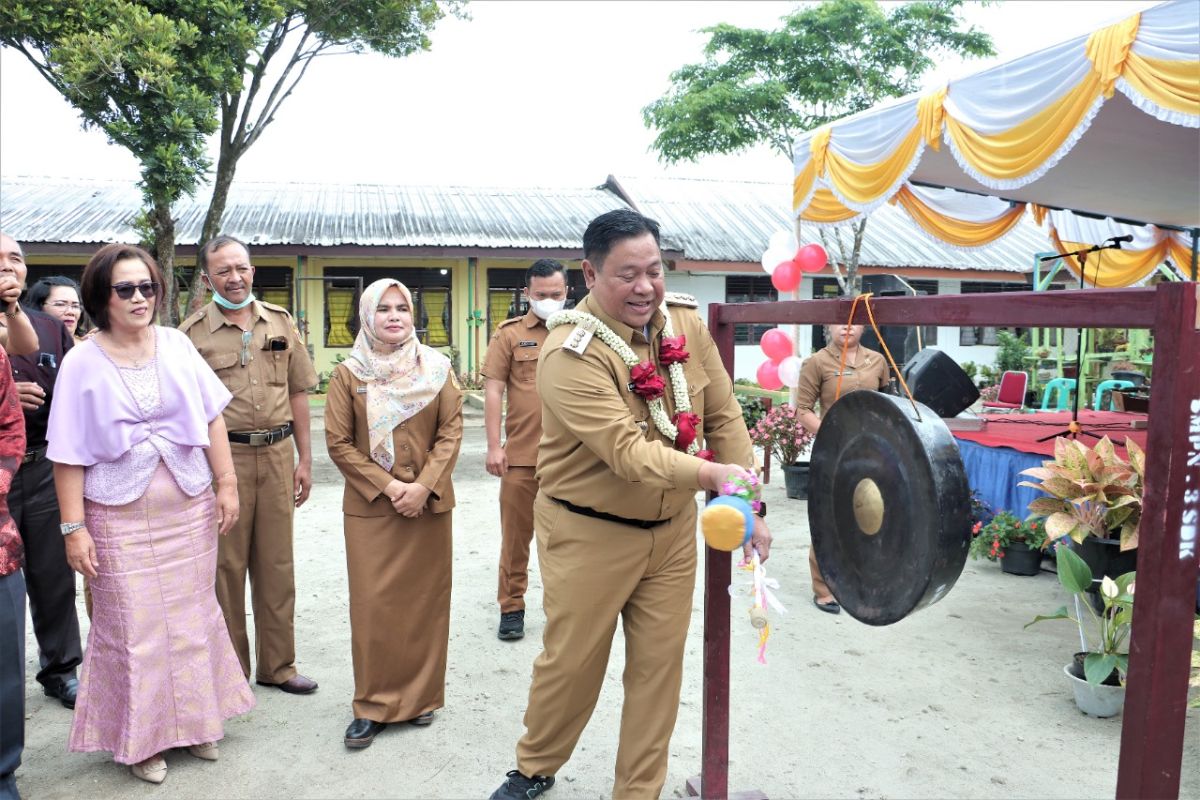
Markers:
point(1091, 491)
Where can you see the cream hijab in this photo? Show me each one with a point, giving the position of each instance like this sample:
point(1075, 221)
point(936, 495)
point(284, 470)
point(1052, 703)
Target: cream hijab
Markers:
point(401, 379)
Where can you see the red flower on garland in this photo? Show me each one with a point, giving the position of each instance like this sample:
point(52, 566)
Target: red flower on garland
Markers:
point(686, 422)
point(671, 351)
point(707, 455)
point(646, 381)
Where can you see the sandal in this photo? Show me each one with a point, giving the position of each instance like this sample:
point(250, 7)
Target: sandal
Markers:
point(207, 751)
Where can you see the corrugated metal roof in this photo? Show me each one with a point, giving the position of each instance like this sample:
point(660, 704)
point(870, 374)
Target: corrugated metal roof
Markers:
point(60, 210)
point(733, 221)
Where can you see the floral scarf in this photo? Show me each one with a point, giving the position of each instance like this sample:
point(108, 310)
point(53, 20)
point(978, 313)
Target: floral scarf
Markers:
point(401, 379)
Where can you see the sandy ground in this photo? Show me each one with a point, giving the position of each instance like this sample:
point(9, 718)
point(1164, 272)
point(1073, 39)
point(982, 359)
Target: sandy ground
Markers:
point(955, 701)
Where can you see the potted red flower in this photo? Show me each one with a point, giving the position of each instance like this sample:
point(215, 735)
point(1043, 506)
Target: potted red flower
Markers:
point(780, 433)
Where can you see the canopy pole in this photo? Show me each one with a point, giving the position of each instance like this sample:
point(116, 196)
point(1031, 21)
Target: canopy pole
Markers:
point(1195, 255)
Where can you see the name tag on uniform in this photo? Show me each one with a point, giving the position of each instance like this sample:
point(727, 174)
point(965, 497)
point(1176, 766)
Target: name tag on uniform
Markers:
point(527, 344)
point(360, 389)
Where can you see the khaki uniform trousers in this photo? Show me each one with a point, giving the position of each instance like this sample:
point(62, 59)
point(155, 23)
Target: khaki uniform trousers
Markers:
point(820, 587)
point(260, 544)
point(594, 571)
point(518, 487)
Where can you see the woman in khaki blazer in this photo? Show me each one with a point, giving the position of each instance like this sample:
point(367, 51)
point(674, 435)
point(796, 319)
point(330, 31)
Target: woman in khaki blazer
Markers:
point(393, 426)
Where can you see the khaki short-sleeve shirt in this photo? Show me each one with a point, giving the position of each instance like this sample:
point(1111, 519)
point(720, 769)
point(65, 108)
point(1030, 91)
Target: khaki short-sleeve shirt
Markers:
point(819, 377)
point(261, 372)
point(512, 357)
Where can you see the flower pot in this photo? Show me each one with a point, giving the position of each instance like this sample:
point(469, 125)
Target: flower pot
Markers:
point(1104, 556)
point(1021, 559)
point(1096, 701)
point(795, 481)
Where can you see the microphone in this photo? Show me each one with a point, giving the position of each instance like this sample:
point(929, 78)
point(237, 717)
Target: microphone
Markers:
point(1118, 239)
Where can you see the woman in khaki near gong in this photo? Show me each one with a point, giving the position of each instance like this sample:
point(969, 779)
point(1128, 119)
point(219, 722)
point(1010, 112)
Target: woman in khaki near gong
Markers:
point(393, 426)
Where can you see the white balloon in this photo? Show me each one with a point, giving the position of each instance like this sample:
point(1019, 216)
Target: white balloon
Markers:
point(774, 257)
point(789, 371)
point(784, 241)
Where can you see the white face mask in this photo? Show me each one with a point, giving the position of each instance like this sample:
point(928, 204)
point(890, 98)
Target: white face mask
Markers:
point(544, 308)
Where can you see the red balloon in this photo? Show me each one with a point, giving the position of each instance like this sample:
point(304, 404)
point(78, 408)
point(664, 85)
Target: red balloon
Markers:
point(777, 345)
point(786, 276)
point(768, 376)
point(811, 258)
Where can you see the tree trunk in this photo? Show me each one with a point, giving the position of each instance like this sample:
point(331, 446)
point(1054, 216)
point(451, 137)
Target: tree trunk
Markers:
point(226, 167)
point(163, 226)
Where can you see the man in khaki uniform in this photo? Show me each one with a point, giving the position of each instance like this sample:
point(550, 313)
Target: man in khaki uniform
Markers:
point(510, 368)
point(864, 369)
point(257, 353)
point(615, 513)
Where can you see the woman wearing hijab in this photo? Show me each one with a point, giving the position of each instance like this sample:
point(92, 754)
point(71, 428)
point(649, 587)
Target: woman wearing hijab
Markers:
point(393, 426)
point(136, 436)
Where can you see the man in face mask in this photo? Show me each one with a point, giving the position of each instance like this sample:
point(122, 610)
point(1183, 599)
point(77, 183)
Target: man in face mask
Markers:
point(511, 366)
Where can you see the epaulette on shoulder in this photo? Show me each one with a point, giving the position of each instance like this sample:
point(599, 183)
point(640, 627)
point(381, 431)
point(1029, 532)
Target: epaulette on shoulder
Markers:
point(274, 307)
point(509, 321)
point(681, 299)
point(192, 320)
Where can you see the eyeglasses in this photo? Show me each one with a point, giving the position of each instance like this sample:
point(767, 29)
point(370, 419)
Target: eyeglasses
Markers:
point(64, 304)
point(125, 290)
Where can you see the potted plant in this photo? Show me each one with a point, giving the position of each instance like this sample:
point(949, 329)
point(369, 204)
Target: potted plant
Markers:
point(1094, 497)
point(1015, 543)
point(781, 433)
point(1097, 674)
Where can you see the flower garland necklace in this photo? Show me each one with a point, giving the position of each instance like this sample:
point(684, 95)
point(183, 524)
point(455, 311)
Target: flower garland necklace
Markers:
point(682, 429)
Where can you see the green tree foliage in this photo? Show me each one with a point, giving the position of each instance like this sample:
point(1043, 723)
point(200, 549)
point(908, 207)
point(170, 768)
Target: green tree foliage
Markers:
point(825, 61)
point(160, 77)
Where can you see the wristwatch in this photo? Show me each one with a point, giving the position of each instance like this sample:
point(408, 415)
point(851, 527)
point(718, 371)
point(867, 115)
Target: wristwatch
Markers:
point(68, 528)
point(762, 509)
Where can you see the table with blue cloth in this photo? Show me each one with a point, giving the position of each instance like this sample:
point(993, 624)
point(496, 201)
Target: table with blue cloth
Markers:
point(995, 456)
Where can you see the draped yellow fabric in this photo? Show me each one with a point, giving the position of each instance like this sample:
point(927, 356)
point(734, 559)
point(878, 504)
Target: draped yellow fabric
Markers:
point(825, 207)
point(1170, 84)
point(1108, 49)
point(802, 185)
point(956, 231)
point(1022, 148)
point(862, 183)
point(930, 116)
point(1180, 255)
point(819, 146)
point(1112, 269)
point(1039, 212)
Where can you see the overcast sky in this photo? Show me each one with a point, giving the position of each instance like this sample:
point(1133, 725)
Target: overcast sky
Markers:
point(523, 93)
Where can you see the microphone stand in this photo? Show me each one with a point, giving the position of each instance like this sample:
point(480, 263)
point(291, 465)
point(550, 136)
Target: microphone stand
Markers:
point(1074, 429)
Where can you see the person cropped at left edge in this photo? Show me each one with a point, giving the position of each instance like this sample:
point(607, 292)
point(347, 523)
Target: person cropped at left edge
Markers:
point(32, 502)
point(256, 351)
point(12, 588)
point(141, 521)
point(393, 426)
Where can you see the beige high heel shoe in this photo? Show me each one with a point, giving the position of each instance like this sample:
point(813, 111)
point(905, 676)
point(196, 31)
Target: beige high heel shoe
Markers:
point(207, 751)
point(152, 770)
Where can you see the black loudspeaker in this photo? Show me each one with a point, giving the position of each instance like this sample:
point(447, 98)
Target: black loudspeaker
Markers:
point(937, 381)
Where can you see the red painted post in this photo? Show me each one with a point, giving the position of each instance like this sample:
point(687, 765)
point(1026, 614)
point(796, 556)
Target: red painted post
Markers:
point(1155, 701)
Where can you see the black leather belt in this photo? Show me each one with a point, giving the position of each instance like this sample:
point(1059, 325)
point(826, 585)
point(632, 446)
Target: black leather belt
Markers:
point(261, 438)
point(644, 524)
point(36, 454)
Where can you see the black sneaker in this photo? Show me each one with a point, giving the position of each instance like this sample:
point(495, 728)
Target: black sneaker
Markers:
point(512, 625)
point(518, 787)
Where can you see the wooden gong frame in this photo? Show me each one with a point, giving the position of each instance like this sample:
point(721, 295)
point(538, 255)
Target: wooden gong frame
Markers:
point(1152, 729)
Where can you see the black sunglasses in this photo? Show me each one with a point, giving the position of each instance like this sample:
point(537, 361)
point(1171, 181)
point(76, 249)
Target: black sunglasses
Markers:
point(125, 290)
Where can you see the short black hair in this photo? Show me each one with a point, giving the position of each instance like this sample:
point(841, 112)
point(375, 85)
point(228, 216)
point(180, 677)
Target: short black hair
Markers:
point(544, 268)
point(611, 227)
point(39, 293)
point(213, 245)
point(96, 283)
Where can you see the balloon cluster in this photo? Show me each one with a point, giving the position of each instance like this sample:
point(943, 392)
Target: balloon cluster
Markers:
point(786, 262)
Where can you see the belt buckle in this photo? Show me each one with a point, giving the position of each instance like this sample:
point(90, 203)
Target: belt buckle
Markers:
point(259, 439)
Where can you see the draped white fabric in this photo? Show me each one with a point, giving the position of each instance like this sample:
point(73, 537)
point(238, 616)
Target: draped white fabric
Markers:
point(960, 205)
point(1085, 230)
point(1168, 32)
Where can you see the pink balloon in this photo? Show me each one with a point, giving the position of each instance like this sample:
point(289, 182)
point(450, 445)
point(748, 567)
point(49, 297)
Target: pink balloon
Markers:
point(768, 376)
point(811, 258)
point(786, 276)
point(777, 345)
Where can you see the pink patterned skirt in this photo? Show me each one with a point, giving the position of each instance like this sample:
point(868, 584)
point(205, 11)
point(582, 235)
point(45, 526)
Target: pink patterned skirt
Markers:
point(159, 671)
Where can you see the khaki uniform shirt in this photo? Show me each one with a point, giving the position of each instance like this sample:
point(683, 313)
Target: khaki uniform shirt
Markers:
point(262, 381)
point(600, 449)
point(512, 357)
point(819, 377)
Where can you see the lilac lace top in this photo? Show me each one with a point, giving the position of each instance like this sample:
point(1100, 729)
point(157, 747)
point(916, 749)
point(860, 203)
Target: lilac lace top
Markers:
point(116, 483)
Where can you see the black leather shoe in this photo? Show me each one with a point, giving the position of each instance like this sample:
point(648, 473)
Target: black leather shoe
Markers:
point(65, 692)
point(362, 732)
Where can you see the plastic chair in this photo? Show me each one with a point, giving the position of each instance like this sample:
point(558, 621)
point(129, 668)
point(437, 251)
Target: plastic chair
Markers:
point(1062, 388)
point(1012, 391)
point(1108, 386)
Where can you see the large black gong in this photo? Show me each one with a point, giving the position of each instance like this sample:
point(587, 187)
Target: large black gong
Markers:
point(888, 506)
